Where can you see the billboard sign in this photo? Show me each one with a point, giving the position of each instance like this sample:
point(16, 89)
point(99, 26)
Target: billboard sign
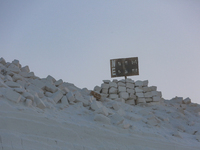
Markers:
point(124, 67)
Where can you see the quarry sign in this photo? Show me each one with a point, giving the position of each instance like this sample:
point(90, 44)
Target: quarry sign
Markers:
point(124, 67)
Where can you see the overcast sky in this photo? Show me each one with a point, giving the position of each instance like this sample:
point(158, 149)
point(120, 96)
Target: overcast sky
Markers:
point(74, 40)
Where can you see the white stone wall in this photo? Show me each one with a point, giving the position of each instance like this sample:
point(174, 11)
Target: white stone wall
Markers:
point(133, 92)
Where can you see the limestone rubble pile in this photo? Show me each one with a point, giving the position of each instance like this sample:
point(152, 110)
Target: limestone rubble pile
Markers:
point(123, 103)
point(131, 92)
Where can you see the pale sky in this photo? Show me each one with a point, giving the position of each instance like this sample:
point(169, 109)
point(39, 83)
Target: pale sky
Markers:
point(74, 40)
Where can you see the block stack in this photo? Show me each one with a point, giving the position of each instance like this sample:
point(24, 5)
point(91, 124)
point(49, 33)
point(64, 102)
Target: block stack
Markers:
point(129, 91)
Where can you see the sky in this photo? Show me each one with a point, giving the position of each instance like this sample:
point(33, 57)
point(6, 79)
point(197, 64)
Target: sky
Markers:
point(74, 40)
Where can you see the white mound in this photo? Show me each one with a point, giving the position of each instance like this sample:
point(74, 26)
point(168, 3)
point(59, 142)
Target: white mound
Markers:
point(46, 114)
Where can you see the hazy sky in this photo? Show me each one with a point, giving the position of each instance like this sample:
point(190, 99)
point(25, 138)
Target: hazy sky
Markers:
point(74, 40)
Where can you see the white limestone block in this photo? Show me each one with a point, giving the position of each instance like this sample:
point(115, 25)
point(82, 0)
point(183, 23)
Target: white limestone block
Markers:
point(39, 103)
point(131, 91)
point(57, 96)
point(38, 83)
point(113, 90)
point(104, 91)
point(113, 96)
point(101, 118)
point(96, 105)
point(147, 89)
point(28, 75)
point(129, 81)
point(103, 110)
point(25, 69)
point(28, 102)
point(22, 83)
point(113, 84)
point(70, 96)
point(104, 86)
point(39, 91)
point(50, 88)
point(148, 99)
point(121, 84)
point(115, 80)
point(28, 95)
point(187, 100)
point(2, 61)
point(148, 94)
point(130, 85)
point(22, 99)
point(12, 95)
point(120, 100)
point(139, 94)
point(2, 84)
point(177, 100)
point(51, 79)
point(130, 102)
point(19, 90)
point(59, 82)
point(132, 96)
point(121, 89)
point(139, 83)
point(64, 100)
point(145, 83)
point(153, 88)
point(116, 105)
point(106, 81)
point(156, 98)
point(80, 98)
point(15, 69)
point(141, 100)
point(124, 95)
point(97, 89)
point(13, 84)
point(48, 94)
point(17, 77)
point(156, 93)
point(8, 78)
point(138, 89)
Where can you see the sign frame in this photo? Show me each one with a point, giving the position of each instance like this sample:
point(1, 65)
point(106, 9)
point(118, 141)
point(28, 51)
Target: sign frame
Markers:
point(124, 67)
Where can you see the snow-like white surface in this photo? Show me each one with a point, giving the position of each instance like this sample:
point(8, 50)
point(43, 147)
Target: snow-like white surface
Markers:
point(30, 128)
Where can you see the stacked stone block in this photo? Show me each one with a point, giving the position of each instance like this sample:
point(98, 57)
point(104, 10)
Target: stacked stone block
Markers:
point(132, 92)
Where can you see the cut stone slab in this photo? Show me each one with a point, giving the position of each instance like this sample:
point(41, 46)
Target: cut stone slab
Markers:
point(2, 61)
point(2, 84)
point(187, 100)
point(121, 89)
point(132, 96)
point(130, 102)
point(130, 85)
point(113, 84)
point(51, 79)
point(156, 98)
point(13, 84)
point(156, 93)
point(101, 118)
point(16, 62)
point(121, 84)
point(38, 83)
point(51, 88)
point(96, 105)
point(113, 90)
point(25, 69)
point(97, 89)
point(19, 90)
point(130, 90)
point(106, 81)
point(148, 99)
point(28, 96)
point(141, 100)
point(39, 103)
point(139, 94)
point(113, 96)
point(138, 89)
point(28, 102)
point(17, 77)
point(64, 100)
point(57, 96)
point(104, 91)
point(59, 82)
point(12, 95)
point(139, 83)
point(177, 100)
point(145, 83)
point(148, 94)
point(124, 95)
point(105, 86)
point(129, 81)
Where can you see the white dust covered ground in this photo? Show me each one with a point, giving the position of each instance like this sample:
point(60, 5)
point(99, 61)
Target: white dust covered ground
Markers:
point(45, 114)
